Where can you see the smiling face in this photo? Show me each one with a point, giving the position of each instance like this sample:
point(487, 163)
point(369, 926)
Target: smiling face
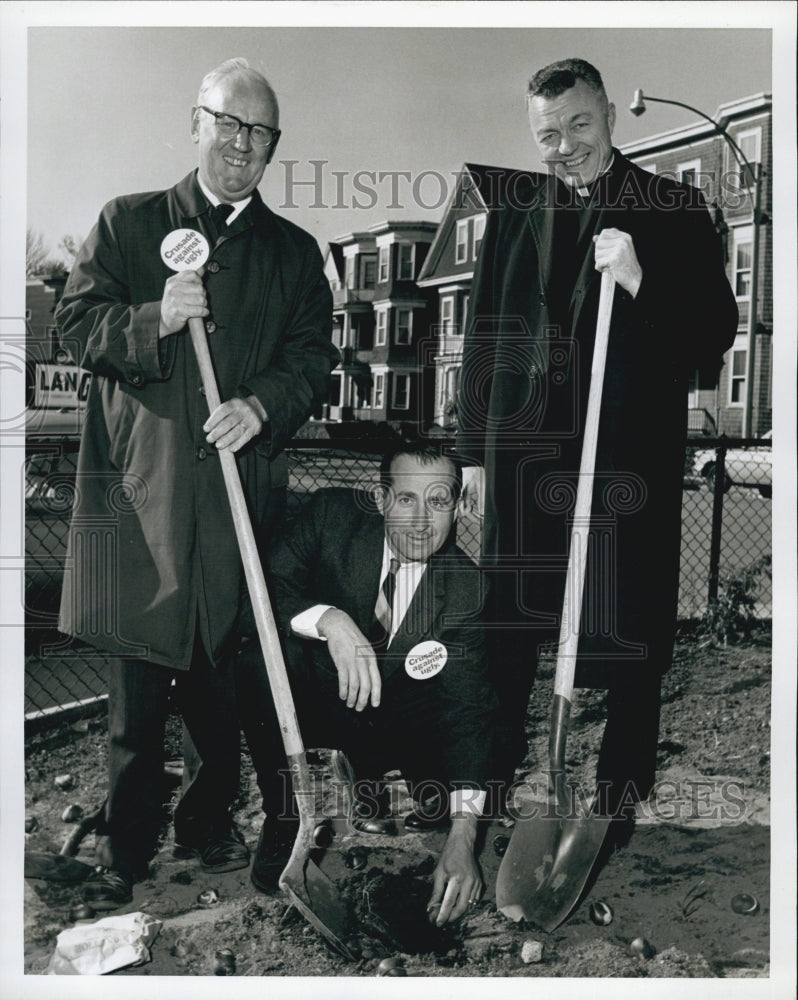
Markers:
point(573, 133)
point(420, 507)
point(232, 167)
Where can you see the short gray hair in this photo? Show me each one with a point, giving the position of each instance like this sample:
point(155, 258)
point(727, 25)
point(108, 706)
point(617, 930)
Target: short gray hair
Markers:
point(238, 65)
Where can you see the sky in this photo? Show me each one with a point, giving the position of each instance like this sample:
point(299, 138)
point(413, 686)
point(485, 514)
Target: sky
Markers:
point(108, 107)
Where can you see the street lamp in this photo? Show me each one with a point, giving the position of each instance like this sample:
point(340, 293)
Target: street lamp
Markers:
point(638, 107)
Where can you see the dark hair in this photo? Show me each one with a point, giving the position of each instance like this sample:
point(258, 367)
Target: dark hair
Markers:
point(557, 77)
point(426, 453)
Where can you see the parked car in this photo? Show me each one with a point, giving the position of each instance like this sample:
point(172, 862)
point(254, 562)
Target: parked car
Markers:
point(60, 423)
point(742, 467)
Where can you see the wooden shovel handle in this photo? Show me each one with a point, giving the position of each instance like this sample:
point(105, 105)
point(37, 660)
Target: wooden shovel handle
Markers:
point(577, 556)
point(253, 571)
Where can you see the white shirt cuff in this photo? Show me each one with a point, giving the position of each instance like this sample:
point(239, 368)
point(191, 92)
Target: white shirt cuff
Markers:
point(304, 624)
point(467, 800)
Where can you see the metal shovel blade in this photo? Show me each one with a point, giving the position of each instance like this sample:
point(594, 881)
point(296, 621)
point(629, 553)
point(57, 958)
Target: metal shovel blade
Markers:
point(547, 864)
point(313, 894)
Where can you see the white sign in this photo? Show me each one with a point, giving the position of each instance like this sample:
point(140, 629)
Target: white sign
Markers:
point(426, 659)
point(61, 386)
point(184, 250)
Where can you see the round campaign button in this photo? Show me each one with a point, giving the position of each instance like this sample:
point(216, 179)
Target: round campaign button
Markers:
point(184, 250)
point(426, 659)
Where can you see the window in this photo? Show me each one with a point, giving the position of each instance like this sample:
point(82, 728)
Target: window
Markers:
point(479, 230)
point(450, 385)
point(750, 142)
point(369, 273)
point(742, 264)
point(693, 383)
point(737, 377)
point(690, 172)
point(381, 332)
point(404, 262)
point(447, 316)
point(401, 392)
point(379, 391)
point(335, 390)
point(404, 326)
point(384, 258)
point(338, 331)
point(461, 245)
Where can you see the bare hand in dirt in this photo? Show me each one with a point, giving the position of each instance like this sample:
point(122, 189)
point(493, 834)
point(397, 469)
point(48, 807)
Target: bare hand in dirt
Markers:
point(183, 299)
point(615, 252)
point(234, 423)
point(359, 678)
point(457, 882)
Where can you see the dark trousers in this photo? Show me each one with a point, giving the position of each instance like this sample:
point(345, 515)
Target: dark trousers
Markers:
point(375, 740)
point(138, 703)
point(627, 761)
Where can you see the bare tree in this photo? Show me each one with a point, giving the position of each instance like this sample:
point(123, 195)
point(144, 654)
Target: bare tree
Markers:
point(40, 263)
point(37, 254)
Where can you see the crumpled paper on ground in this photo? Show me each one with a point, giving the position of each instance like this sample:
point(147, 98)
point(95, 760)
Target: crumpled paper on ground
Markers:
point(104, 946)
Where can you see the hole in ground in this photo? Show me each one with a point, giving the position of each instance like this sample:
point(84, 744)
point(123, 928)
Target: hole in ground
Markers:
point(391, 908)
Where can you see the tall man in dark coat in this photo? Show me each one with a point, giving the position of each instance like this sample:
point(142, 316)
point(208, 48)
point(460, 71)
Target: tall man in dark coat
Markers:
point(153, 570)
point(524, 388)
point(381, 617)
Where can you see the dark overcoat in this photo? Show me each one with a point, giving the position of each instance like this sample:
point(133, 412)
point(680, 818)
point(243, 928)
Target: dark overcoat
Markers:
point(152, 553)
point(524, 389)
point(333, 555)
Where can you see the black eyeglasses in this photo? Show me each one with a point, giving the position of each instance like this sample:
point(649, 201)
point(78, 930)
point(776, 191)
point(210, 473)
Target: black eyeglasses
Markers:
point(229, 125)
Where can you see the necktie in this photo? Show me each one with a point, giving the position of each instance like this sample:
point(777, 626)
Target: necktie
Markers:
point(219, 216)
point(383, 612)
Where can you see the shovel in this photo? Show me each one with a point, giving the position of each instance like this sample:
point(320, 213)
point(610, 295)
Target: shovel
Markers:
point(308, 888)
point(550, 855)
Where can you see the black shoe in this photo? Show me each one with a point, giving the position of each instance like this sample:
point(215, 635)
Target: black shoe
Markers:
point(431, 814)
point(222, 850)
point(276, 841)
point(371, 810)
point(108, 888)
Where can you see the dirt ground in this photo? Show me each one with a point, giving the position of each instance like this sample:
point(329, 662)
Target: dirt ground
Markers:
point(702, 841)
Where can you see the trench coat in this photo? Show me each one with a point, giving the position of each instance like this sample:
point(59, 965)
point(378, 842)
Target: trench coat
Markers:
point(523, 396)
point(152, 556)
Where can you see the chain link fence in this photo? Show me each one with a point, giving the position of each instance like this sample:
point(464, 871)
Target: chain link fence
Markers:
point(726, 537)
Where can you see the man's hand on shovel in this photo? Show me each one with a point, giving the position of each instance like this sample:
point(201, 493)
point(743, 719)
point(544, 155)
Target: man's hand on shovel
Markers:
point(235, 423)
point(457, 882)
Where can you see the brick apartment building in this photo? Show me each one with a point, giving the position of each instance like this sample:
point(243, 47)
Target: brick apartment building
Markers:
point(699, 155)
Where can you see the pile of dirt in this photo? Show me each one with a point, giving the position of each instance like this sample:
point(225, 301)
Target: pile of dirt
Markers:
point(703, 842)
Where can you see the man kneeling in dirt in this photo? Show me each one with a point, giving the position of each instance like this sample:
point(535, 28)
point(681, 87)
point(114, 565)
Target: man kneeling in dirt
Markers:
point(381, 617)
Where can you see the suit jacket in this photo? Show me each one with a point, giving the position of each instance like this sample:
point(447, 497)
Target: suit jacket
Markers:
point(525, 382)
point(152, 552)
point(332, 555)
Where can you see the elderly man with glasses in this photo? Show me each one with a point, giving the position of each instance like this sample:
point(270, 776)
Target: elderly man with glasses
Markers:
point(154, 574)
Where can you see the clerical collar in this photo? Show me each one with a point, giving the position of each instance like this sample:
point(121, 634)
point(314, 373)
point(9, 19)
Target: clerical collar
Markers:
point(238, 206)
point(584, 192)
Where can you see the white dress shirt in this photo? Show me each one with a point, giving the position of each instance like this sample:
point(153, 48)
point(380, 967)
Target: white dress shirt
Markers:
point(408, 577)
point(238, 206)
